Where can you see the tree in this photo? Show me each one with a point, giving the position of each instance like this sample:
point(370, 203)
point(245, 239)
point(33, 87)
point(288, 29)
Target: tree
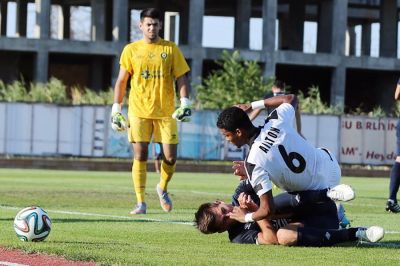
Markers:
point(237, 81)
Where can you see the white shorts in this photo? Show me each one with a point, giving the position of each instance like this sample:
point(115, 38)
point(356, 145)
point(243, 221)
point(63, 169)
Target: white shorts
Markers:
point(329, 168)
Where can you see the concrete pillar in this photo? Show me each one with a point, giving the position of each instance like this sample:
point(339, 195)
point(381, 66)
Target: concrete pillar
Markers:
point(3, 14)
point(42, 27)
point(66, 12)
point(325, 21)
point(295, 25)
point(366, 39)
point(183, 24)
point(98, 20)
point(339, 26)
point(332, 26)
point(41, 66)
point(120, 21)
point(269, 15)
point(352, 40)
point(388, 28)
point(196, 13)
point(338, 85)
point(22, 14)
point(242, 24)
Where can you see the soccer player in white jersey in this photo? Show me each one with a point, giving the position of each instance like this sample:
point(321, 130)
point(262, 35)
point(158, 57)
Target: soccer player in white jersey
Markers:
point(279, 155)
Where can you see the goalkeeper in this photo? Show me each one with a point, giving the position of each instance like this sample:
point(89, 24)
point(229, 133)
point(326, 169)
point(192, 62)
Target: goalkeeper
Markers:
point(152, 65)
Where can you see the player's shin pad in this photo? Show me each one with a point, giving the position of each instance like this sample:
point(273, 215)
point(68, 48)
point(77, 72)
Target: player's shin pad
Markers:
point(182, 114)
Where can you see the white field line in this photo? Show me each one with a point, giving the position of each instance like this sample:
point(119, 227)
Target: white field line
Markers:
point(7, 263)
point(127, 217)
point(105, 215)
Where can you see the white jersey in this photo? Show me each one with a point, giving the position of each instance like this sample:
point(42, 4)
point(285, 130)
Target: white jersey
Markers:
point(281, 156)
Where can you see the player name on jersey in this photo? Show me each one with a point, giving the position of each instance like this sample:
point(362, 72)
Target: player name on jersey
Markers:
point(269, 139)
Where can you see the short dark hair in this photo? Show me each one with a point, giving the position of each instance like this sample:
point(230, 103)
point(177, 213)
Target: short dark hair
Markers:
point(233, 118)
point(204, 219)
point(150, 13)
point(279, 84)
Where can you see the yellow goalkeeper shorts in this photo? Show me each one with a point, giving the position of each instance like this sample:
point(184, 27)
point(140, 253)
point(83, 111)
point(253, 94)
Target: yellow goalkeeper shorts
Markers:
point(163, 130)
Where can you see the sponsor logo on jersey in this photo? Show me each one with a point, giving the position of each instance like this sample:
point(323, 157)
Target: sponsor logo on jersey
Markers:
point(146, 74)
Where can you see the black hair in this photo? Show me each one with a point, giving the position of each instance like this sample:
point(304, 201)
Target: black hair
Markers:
point(279, 84)
point(150, 13)
point(233, 118)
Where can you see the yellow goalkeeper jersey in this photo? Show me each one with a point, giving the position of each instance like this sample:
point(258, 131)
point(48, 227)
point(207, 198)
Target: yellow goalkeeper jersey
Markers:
point(153, 68)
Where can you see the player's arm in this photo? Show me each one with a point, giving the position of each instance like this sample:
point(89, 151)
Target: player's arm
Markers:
point(397, 92)
point(254, 114)
point(120, 85)
point(272, 102)
point(267, 236)
point(118, 121)
point(184, 112)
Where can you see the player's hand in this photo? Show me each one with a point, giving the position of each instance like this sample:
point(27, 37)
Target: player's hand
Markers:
point(118, 121)
point(238, 169)
point(184, 112)
point(245, 107)
point(245, 202)
point(238, 214)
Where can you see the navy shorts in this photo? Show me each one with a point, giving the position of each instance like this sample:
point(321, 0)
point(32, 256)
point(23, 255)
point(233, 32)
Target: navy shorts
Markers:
point(398, 137)
point(319, 215)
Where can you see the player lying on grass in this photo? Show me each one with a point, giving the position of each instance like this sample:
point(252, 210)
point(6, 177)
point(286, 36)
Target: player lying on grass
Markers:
point(291, 201)
point(297, 230)
point(279, 155)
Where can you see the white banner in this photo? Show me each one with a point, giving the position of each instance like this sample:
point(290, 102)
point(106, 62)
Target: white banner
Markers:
point(367, 140)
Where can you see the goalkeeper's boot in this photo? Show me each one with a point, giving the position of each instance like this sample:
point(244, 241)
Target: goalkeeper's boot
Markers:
point(165, 201)
point(140, 208)
point(341, 192)
point(371, 234)
point(392, 206)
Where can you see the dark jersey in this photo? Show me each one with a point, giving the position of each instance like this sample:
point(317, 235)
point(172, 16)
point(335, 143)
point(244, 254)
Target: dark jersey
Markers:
point(247, 233)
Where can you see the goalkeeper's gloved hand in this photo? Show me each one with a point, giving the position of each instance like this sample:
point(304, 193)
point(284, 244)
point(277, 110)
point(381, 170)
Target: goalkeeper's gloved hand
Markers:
point(118, 121)
point(183, 113)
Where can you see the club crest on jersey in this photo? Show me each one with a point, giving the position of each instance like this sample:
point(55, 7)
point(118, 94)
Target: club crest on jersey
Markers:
point(164, 55)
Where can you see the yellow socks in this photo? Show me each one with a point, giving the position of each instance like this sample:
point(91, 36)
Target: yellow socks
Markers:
point(166, 174)
point(139, 171)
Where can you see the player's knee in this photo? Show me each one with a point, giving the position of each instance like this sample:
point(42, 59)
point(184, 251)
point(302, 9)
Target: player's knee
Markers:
point(170, 160)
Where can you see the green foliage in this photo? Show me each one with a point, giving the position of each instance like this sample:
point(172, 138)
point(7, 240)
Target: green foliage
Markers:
point(237, 81)
point(377, 112)
point(396, 109)
point(55, 91)
point(314, 105)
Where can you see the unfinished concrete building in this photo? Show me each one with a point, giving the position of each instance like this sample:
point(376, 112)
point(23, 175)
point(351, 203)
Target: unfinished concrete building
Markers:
point(342, 64)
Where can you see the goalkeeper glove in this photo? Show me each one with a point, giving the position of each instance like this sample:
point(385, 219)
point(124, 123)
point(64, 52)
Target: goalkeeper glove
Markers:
point(183, 113)
point(118, 121)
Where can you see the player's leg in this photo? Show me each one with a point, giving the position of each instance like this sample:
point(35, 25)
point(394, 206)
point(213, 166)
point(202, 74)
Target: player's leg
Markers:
point(392, 204)
point(314, 237)
point(140, 136)
point(166, 132)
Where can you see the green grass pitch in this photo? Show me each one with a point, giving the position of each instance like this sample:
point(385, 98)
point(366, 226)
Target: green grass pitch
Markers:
point(90, 218)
